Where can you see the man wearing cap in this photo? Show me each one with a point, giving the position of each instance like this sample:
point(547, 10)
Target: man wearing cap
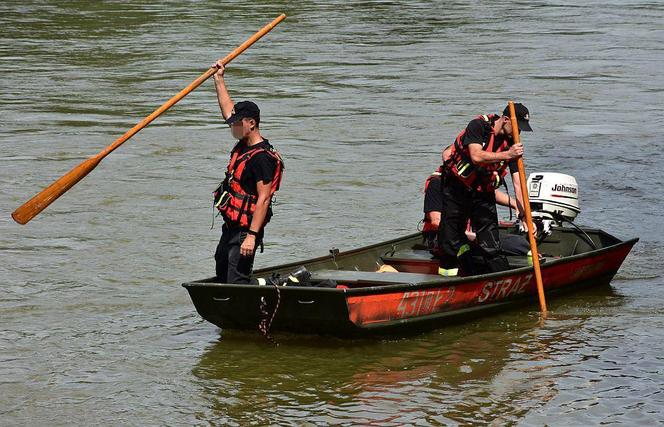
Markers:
point(480, 158)
point(244, 198)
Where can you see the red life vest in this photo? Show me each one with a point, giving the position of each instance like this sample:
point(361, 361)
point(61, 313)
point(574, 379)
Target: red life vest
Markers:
point(427, 225)
point(482, 176)
point(236, 205)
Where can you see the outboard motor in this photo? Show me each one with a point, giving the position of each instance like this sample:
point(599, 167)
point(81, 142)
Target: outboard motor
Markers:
point(553, 196)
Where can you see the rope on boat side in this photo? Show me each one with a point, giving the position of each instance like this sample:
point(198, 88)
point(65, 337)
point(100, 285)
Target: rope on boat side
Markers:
point(264, 325)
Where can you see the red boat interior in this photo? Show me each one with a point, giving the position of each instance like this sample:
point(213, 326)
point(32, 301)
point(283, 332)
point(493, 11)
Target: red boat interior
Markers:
point(406, 260)
point(408, 266)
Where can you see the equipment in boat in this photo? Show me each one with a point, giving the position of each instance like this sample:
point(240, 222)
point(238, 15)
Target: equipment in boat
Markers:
point(299, 277)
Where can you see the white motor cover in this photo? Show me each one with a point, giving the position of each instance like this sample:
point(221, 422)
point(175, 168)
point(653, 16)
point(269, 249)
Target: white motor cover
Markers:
point(553, 192)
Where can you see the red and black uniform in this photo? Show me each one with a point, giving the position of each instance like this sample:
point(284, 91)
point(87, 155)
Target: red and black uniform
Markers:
point(467, 193)
point(236, 200)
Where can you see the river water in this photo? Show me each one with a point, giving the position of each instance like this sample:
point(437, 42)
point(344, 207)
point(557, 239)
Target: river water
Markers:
point(359, 97)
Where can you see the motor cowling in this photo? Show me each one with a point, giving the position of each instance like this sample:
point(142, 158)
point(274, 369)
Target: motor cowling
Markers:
point(553, 195)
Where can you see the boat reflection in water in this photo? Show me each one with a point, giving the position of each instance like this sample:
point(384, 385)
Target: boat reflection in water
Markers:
point(492, 369)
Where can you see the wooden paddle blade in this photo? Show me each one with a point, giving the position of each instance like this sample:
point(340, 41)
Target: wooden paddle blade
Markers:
point(38, 203)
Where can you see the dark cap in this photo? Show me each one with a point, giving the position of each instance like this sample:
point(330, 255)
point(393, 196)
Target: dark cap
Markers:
point(522, 116)
point(244, 109)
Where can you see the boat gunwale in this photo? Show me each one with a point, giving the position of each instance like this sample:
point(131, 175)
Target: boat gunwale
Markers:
point(446, 282)
point(396, 287)
point(328, 257)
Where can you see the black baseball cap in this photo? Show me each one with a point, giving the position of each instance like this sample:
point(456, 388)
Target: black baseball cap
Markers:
point(522, 116)
point(244, 109)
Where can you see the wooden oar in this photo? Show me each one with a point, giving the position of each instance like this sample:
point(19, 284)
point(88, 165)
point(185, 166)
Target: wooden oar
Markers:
point(38, 203)
point(527, 215)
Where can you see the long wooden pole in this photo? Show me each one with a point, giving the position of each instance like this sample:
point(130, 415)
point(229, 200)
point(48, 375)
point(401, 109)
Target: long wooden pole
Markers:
point(527, 214)
point(38, 203)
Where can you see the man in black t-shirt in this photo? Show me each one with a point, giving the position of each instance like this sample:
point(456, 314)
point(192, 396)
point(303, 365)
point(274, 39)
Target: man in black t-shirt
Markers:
point(433, 207)
point(481, 156)
point(244, 198)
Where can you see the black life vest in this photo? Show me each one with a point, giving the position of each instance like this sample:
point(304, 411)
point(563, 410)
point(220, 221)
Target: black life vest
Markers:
point(482, 176)
point(236, 205)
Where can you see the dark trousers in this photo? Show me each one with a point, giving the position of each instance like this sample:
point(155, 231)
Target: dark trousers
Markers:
point(459, 205)
point(230, 265)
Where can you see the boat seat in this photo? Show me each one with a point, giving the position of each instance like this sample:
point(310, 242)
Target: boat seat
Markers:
point(409, 254)
point(351, 276)
point(518, 261)
point(522, 261)
point(425, 255)
point(412, 261)
point(421, 261)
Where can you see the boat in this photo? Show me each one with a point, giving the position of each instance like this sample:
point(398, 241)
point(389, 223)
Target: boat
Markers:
point(350, 293)
point(414, 298)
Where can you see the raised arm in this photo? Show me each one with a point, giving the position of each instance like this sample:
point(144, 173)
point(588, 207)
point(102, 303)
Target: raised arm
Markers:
point(225, 102)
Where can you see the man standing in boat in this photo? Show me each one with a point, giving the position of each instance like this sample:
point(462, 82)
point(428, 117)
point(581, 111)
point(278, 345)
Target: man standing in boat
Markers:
point(244, 197)
point(480, 157)
point(433, 206)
